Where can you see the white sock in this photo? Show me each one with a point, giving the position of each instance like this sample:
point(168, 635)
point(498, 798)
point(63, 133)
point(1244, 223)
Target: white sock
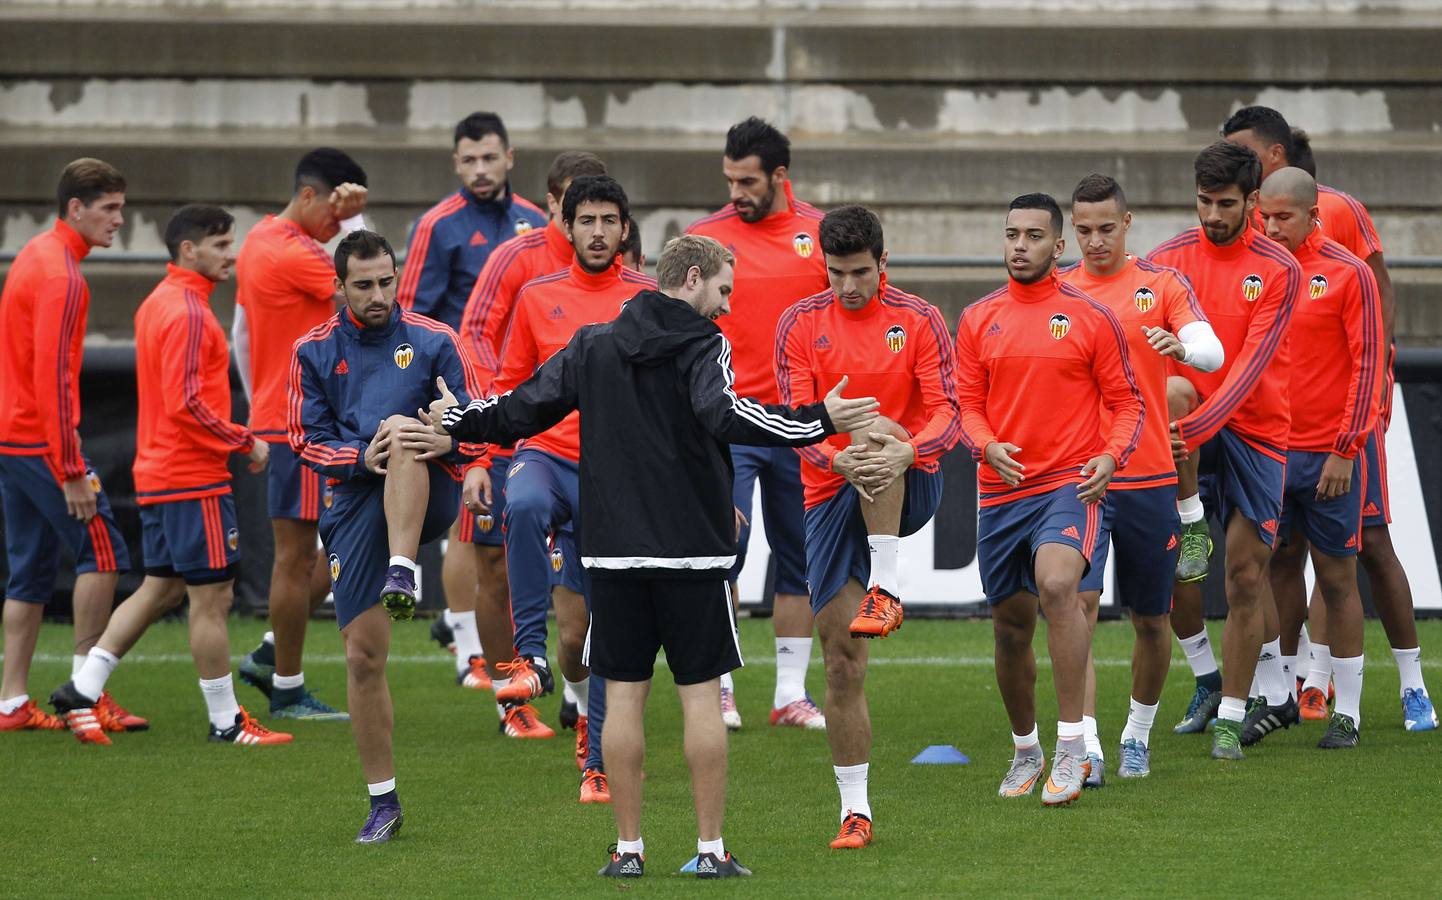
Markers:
point(1347, 673)
point(851, 781)
point(636, 846)
point(1089, 733)
point(76, 661)
point(885, 552)
point(467, 638)
point(220, 700)
point(407, 563)
point(1070, 736)
point(1289, 671)
point(1409, 666)
point(793, 655)
point(1255, 689)
point(381, 787)
point(1198, 649)
point(498, 684)
point(1270, 679)
point(449, 618)
point(717, 847)
point(268, 638)
point(1026, 742)
point(580, 690)
point(1304, 651)
point(288, 682)
point(1139, 722)
point(727, 684)
point(1232, 709)
point(90, 680)
point(1190, 509)
point(9, 706)
point(1321, 669)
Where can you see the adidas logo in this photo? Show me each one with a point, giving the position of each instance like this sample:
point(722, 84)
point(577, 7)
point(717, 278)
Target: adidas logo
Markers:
point(1270, 525)
point(633, 865)
point(706, 864)
point(1071, 532)
point(994, 330)
point(786, 650)
point(1172, 542)
point(822, 343)
point(557, 313)
point(1351, 542)
point(343, 368)
point(1371, 510)
point(477, 239)
point(1265, 657)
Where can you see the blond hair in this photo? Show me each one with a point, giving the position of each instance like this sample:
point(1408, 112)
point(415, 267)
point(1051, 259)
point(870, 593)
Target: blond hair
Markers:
point(681, 253)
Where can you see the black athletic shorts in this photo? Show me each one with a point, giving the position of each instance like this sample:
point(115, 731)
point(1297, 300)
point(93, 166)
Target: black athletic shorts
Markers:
point(632, 618)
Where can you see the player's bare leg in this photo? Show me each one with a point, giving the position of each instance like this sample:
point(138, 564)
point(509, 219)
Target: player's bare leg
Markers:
point(624, 746)
point(705, 755)
point(154, 598)
point(1337, 580)
point(209, 638)
point(22, 629)
point(1289, 588)
point(1091, 606)
point(92, 600)
point(1013, 623)
point(367, 644)
point(848, 717)
point(493, 606)
point(881, 611)
point(1248, 596)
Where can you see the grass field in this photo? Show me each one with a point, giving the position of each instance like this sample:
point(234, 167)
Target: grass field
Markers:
point(164, 813)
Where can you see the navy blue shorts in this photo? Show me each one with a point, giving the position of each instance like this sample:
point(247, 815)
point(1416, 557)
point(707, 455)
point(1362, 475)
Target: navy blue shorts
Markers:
point(1146, 537)
point(37, 523)
point(836, 547)
point(293, 489)
point(196, 540)
point(353, 529)
point(1234, 475)
point(1332, 526)
point(1009, 534)
point(1376, 510)
point(783, 503)
point(485, 530)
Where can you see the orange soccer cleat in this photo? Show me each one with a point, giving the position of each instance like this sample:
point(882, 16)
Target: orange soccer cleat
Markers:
point(879, 615)
point(85, 725)
point(522, 721)
point(1312, 705)
point(528, 681)
point(855, 832)
point(476, 677)
point(594, 788)
point(247, 732)
point(114, 717)
point(29, 717)
point(583, 746)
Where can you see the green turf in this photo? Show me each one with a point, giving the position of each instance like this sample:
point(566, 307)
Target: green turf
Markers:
point(165, 813)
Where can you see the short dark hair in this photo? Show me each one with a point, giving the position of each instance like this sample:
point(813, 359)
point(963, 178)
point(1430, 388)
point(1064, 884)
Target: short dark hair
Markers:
point(1098, 188)
point(1043, 202)
point(570, 165)
point(759, 138)
point(1265, 122)
point(87, 179)
point(1224, 164)
point(1301, 153)
point(479, 124)
point(852, 229)
point(327, 168)
point(632, 243)
point(594, 189)
point(360, 244)
point(195, 223)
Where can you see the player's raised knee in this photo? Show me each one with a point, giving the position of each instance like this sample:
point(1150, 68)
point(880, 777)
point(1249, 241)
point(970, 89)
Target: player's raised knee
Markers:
point(1181, 397)
point(882, 425)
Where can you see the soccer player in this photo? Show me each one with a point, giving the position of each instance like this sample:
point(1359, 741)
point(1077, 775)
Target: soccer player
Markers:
point(449, 245)
point(1334, 409)
point(865, 489)
point(182, 483)
point(484, 323)
point(657, 532)
point(1346, 221)
point(542, 489)
point(356, 382)
point(1042, 489)
point(51, 493)
point(285, 286)
point(1163, 325)
point(774, 237)
point(1248, 287)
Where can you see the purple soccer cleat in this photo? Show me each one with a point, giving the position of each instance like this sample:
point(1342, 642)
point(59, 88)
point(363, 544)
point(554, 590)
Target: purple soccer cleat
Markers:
point(383, 823)
point(399, 594)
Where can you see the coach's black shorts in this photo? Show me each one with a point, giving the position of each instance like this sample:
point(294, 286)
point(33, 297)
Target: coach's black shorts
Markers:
point(632, 618)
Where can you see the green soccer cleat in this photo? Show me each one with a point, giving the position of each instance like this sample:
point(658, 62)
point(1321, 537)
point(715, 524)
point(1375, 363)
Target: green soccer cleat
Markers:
point(1341, 733)
point(257, 674)
point(1196, 555)
point(1202, 709)
point(399, 594)
point(1227, 740)
point(310, 709)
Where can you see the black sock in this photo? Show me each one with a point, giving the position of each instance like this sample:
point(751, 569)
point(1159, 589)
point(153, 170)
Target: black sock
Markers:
point(286, 696)
point(389, 798)
point(1212, 681)
point(264, 654)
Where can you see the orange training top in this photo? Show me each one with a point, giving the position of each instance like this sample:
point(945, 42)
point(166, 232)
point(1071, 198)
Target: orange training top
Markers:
point(489, 309)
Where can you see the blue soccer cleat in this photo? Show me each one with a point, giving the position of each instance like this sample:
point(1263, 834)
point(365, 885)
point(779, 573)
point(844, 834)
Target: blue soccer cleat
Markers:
point(383, 823)
point(1096, 772)
point(1417, 711)
point(399, 595)
point(1136, 759)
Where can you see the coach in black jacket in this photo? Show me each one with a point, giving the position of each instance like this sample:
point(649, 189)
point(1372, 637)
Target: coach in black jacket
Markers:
point(657, 528)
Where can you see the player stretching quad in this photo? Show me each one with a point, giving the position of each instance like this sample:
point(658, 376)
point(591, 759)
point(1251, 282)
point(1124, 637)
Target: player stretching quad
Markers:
point(484, 324)
point(1163, 325)
point(657, 528)
point(542, 488)
point(285, 285)
point(356, 382)
point(1346, 221)
point(867, 488)
point(774, 237)
point(51, 493)
point(1248, 287)
point(182, 482)
point(449, 246)
point(1024, 352)
point(1334, 409)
